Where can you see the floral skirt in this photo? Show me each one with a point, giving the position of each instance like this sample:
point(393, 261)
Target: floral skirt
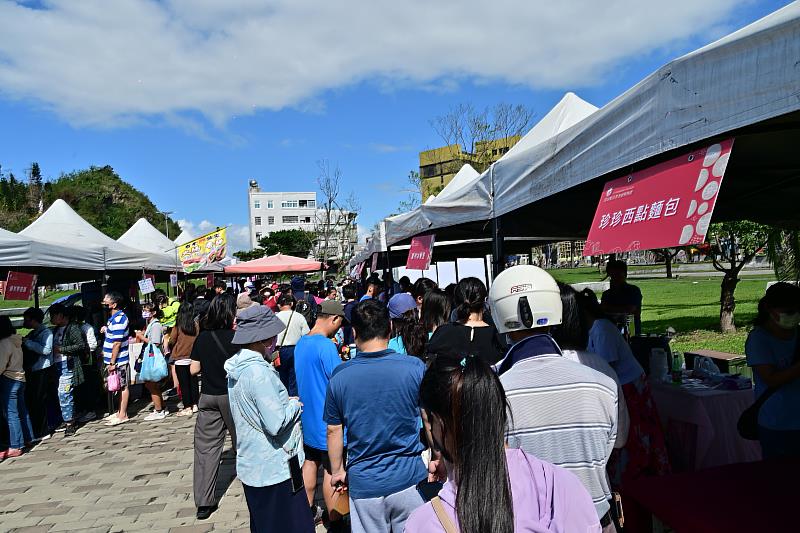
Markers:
point(645, 452)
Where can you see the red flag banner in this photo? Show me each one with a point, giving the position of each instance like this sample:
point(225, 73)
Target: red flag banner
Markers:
point(666, 205)
point(19, 286)
point(420, 253)
point(209, 281)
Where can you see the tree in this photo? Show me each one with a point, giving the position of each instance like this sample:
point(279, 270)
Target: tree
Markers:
point(296, 242)
point(783, 250)
point(472, 133)
point(414, 192)
point(335, 215)
point(667, 256)
point(35, 189)
point(735, 245)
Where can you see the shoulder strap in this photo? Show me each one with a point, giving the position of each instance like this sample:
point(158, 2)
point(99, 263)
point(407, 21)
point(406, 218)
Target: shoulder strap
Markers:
point(442, 515)
point(286, 331)
point(216, 340)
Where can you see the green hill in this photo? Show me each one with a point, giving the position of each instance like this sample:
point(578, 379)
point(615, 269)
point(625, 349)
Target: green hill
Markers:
point(97, 194)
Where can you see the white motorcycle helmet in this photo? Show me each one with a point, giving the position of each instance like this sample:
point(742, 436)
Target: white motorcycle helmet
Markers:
point(524, 297)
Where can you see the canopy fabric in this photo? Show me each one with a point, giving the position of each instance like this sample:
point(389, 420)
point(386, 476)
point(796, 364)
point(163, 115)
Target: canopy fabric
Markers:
point(63, 226)
point(185, 237)
point(144, 236)
point(275, 264)
point(744, 85)
point(472, 199)
point(52, 262)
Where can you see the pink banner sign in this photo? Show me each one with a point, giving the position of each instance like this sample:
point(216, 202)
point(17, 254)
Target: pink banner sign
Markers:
point(664, 206)
point(374, 262)
point(19, 286)
point(420, 253)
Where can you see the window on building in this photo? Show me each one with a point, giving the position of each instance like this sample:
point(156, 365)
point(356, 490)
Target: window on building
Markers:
point(258, 221)
point(270, 221)
point(290, 220)
point(306, 220)
point(269, 204)
point(257, 204)
point(308, 203)
point(258, 235)
point(289, 204)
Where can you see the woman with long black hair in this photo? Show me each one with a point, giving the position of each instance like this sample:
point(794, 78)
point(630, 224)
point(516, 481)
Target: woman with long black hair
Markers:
point(470, 333)
point(181, 342)
point(490, 487)
point(212, 348)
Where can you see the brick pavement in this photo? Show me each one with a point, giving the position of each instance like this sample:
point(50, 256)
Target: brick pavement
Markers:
point(133, 477)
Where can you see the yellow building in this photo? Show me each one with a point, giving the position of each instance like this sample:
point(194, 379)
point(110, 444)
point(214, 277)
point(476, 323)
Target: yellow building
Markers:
point(438, 166)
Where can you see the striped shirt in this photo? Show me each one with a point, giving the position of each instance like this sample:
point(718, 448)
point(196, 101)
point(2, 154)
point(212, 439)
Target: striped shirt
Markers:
point(116, 331)
point(564, 413)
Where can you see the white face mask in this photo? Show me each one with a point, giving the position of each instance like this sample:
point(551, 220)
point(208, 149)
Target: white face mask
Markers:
point(788, 320)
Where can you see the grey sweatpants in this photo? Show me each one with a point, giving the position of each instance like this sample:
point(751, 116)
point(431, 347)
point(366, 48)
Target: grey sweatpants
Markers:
point(385, 514)
point(213, 418)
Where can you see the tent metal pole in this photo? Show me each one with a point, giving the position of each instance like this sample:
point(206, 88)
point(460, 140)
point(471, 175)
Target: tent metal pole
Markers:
point(36, 294)
point(498, 256)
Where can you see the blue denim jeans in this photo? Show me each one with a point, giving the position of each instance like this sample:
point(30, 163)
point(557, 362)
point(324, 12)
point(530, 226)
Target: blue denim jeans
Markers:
point(12, 400)
point(65, 394)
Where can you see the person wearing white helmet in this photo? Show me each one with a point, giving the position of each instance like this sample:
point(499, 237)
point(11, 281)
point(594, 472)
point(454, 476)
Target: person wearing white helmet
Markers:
point(563, 412)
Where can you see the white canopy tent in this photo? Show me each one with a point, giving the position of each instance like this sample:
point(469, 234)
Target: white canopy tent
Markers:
point(144, 236)
point(184, 237)
point(743, 85)
point(61, 225)
point(470, 199)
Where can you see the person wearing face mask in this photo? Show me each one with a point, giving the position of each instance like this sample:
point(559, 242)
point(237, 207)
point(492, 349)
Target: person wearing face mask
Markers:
point(153, 335)
point(269, 437)
point(773, 351)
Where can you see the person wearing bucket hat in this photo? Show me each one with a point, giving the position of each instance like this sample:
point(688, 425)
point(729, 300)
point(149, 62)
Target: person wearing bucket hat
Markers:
point(405, 337)
point(269, 439)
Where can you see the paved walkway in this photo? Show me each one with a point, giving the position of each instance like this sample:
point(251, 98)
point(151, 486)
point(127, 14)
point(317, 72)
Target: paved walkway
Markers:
point(133, 477)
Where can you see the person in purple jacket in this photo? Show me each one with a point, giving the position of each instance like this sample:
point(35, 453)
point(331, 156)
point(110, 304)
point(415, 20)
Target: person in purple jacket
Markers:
point(489, 487)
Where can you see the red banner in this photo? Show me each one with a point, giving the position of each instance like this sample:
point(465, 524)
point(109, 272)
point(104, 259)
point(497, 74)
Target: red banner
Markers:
point(374, 262)
point(19, 286)
point(666, 205)
point(209, 281)
point(420, 253)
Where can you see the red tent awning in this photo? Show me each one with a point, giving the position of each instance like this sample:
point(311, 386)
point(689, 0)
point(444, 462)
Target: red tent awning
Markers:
point(275, 264)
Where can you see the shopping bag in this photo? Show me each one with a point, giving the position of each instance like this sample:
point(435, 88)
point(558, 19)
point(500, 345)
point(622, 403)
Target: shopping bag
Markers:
point(154, 366)
point(113, 383)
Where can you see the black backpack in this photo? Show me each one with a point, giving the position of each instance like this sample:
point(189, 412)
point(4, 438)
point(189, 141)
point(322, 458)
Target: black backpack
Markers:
point(304, 308)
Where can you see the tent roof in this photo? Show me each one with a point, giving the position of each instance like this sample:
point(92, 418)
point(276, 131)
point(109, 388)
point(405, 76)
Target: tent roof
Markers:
point(464, 176)
point(275, 264)
point(52, 262)
point(144, 236)
point(184, 237)
point(60, 224)
point(472, 199)
point(706, 95)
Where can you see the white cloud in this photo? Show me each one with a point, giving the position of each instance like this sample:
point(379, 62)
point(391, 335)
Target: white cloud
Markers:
point(238, 235)
point(110, 64)
point(363, 233)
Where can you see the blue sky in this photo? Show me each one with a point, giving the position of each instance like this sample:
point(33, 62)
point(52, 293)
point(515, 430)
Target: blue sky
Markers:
point(159, 101)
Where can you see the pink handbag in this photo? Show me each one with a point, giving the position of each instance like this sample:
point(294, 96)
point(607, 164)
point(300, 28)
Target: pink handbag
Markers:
point(114, 384)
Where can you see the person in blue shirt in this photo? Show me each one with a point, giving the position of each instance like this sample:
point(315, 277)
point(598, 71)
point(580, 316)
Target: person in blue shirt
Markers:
point(375, 399)
point(373, 289)
point(774, 354)
point(315, 358)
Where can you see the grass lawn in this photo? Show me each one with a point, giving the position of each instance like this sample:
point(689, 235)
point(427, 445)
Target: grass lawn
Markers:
point(47, 300)
point(690, 305)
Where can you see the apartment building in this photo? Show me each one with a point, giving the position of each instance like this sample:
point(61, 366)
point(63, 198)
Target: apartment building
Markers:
point(276, 211)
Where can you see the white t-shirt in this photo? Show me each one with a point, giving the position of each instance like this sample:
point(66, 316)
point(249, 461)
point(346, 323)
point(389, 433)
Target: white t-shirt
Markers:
point(58, 337)
point(294, 329)
point(592, 360)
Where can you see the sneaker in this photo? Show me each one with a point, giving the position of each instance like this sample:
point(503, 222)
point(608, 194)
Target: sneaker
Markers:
point(156, 415)
point(194, 409)
point(184, 412)
point(70, 430)
point(88, 417)
point(61, 427)
point(316, 511)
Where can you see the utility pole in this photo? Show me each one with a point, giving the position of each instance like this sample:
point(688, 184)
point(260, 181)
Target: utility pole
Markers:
point(166, 220)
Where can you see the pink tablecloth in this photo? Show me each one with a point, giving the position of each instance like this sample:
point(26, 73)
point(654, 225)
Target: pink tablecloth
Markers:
point(700, 425)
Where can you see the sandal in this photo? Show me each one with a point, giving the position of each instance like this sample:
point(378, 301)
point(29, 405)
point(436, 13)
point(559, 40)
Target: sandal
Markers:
point(116, 421)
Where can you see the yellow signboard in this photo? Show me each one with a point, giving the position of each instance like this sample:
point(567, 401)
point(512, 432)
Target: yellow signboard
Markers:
point(203, 251)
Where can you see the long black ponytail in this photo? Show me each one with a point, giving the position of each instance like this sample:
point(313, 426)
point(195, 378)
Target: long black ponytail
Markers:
point(469, 400)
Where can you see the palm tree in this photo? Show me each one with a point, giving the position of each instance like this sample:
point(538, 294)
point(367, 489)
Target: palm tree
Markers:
point(783, 250)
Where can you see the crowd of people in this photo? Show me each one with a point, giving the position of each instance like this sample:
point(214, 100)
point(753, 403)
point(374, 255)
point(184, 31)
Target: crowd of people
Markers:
point(519, 408)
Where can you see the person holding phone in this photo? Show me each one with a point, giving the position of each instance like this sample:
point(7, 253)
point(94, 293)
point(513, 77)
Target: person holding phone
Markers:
point(489, 487)
point(269, 438)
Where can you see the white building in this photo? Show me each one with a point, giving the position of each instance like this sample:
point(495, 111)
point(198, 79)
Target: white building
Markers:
point(276, 211)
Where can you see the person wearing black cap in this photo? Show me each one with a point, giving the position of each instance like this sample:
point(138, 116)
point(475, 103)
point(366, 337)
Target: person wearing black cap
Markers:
point(269, 438)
